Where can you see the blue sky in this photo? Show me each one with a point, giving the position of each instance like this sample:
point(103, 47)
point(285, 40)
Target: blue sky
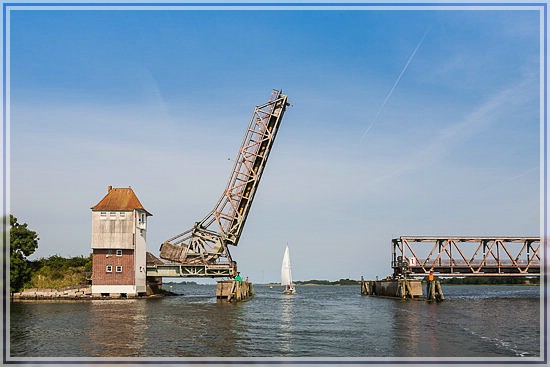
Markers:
point(159, 100)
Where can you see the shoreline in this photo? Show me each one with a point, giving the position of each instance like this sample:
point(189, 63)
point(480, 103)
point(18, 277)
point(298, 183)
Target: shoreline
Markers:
point(75, 293)
point(423, 282)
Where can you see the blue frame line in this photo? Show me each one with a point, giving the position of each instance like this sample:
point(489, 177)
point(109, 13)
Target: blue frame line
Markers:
point(543, 6)
point(545, 181)
point(175, 4)
point(4, 191)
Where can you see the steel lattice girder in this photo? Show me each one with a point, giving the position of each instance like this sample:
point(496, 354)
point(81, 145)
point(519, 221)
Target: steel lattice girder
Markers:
point(467, 256)
point(207, 242)
point(234, 205)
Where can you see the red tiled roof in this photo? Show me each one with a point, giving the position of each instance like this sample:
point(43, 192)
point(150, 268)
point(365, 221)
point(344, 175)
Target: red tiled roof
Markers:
point(119, 199)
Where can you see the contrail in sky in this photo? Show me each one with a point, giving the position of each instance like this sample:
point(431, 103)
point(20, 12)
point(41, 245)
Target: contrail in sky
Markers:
point(388, 96)
point(513, 178)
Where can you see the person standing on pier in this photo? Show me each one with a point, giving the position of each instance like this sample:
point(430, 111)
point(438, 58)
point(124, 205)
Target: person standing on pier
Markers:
point(238, 277)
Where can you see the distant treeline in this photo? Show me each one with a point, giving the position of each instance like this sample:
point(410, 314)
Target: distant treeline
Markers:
point(488, 280)
point(327, 282)
point(491, 280)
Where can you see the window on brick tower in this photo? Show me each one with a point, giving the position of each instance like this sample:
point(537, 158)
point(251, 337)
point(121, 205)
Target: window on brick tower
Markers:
point(109, 268)
point(119, 268)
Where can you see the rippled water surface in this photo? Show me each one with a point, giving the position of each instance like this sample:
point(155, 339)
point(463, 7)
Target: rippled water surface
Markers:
point(320, 321)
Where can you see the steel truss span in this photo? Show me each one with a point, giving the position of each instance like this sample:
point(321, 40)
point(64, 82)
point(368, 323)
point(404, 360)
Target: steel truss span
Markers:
point(466, 256)
point(206, 243)
point(190, 271)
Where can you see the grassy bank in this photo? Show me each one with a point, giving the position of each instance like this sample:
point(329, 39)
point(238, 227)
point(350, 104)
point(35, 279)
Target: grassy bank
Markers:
point(58, 272)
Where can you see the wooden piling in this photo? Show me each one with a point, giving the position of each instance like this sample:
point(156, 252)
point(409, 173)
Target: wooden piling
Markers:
point(234, 290)
point(434, 291)
point(364, 287)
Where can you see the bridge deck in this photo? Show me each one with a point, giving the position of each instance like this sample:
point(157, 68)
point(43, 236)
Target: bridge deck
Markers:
point(191, 271)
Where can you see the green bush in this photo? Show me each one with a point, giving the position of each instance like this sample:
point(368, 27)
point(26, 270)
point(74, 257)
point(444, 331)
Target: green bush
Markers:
point(58, 272)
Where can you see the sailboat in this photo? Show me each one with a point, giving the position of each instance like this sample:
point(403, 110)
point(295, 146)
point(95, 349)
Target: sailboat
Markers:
point(286, 275)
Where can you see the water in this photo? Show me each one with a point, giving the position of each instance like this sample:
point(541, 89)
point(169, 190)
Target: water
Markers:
point(320, 321)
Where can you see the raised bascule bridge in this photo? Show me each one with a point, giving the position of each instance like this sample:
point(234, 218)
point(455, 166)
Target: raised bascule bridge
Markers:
point(203, 250)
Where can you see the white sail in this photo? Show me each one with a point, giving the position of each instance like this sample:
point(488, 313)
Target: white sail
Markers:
point(286, 276)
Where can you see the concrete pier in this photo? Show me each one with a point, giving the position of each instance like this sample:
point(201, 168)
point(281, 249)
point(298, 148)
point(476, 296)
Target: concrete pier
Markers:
point(234, 290)
point(396, 288)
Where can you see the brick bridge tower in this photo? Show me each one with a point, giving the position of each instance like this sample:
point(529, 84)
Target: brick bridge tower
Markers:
point(119, 228)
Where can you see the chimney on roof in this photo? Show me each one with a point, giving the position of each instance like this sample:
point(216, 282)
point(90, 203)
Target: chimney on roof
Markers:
point(109, 188)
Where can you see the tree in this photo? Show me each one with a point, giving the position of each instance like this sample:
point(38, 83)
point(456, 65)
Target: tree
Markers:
point(23, 242)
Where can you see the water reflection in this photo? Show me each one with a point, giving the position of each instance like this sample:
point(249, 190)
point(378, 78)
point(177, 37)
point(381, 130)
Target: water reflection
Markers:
point(194, 326)
point(221, 332)
point(407, 326)
point(317, 322)
point(42, 328)
point(287, 327)
point(468, 318)
point(20, 329)
point(118, 327)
